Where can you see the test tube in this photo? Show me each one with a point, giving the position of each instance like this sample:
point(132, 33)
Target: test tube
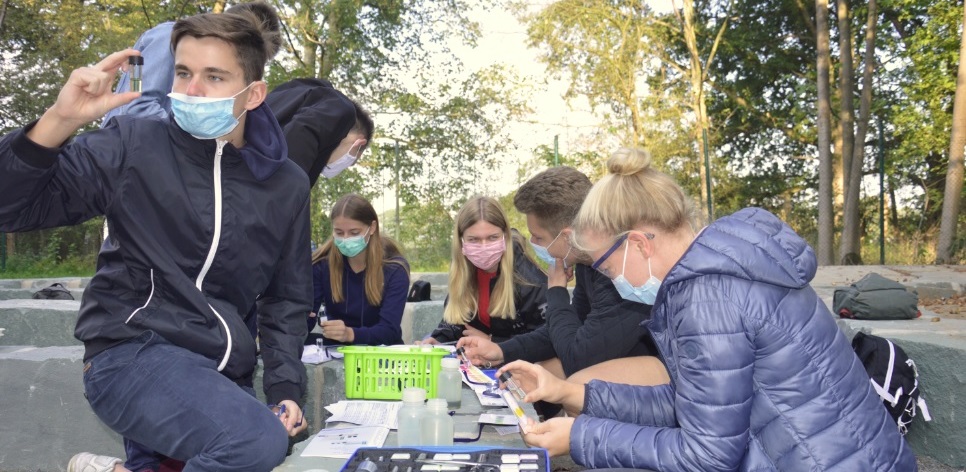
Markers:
point(512, 386)
point(515, 408)
point(136, 62)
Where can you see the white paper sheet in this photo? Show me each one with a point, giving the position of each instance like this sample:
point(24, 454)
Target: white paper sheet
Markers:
point(364, 412)
point(341, 443)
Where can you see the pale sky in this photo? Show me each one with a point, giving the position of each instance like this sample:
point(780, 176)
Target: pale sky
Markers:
point(503, 41)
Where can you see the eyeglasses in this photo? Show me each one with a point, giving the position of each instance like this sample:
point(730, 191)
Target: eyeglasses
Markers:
point(493, 238)
point(617, 244)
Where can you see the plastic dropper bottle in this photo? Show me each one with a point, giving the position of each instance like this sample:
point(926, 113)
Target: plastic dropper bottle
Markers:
point(449, 382)
point(512, 386)
point(438, 427)
point(410, 417)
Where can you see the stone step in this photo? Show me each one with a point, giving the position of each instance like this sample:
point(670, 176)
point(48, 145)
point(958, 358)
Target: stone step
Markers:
point(38, 323)
point(46, 418)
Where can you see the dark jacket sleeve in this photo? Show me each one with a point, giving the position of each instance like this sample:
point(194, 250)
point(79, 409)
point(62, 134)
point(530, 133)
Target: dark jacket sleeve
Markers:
point(49, 187)
point(530, 290)
point(388, 330)
point(611, 330)
point(281, 317)
point(446, 332)
point(534, 346)
point(315, 117)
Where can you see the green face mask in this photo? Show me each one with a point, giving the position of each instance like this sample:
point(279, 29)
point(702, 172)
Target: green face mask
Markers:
point(351, 246)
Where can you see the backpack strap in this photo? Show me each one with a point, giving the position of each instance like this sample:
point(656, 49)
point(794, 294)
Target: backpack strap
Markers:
point(883, 390)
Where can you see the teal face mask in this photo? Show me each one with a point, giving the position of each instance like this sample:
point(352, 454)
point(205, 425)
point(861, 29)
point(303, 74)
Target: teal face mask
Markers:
point(351, 246)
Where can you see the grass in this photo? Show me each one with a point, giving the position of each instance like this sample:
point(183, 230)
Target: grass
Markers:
point(20, 267)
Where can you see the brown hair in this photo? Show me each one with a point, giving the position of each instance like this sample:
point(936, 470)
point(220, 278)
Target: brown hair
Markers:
point(246, 29)
point(379, 249)
point(553, 197)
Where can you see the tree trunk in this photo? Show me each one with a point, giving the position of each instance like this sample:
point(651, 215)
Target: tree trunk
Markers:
point(332, 39)
point(3, 13)
point(954, 173)
point(846, 118)
point(850, 249)
point(825, 215)
point(695, 71)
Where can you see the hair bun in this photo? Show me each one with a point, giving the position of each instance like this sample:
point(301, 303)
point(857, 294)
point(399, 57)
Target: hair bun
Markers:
point(628, 161)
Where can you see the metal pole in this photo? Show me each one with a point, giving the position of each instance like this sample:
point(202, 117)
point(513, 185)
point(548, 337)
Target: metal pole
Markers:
point(397, 189)
point(556, 150)
point(881, 195)
point(707, 173)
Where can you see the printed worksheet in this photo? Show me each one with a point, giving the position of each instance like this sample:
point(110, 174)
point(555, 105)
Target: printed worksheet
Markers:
point(341, 443)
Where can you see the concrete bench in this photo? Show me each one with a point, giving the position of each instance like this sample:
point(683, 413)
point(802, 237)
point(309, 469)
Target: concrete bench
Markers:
point(44, 417)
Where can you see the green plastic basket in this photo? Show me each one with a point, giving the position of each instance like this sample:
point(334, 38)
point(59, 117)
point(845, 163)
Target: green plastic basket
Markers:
point(381, 373)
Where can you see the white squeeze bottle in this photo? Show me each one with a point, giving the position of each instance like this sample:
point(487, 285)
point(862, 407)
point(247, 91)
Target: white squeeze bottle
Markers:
point(438, 427)
point(410, 417)
point(449, 382)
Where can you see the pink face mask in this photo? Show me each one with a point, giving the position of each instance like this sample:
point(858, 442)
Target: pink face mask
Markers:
point(484, 256)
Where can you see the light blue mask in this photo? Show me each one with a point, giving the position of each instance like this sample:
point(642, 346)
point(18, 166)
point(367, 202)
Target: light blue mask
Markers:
point(543, 252)
point(205, 117)
point(351, 246)
point(645, 294)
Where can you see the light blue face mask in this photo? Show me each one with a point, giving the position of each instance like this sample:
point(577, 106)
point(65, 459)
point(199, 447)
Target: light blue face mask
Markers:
point(351, 246)
point(205, 117)
point(645, 294)
point(543, 252)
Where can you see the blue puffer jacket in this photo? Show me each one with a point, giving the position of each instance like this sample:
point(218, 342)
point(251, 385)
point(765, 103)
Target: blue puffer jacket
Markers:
point(761, 378)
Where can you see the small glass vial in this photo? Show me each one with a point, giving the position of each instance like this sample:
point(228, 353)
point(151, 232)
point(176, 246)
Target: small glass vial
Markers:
point(512, 386)
point(449, 382)
point(136, 63)
point(410, 417)
point(438, 427)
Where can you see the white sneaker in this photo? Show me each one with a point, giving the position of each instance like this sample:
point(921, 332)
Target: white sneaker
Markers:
point(87, 462)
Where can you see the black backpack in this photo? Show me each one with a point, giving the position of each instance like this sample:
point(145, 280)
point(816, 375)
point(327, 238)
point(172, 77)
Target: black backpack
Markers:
point(419, 292)
point(55, 291)
point(894, 377)
point(875, 297)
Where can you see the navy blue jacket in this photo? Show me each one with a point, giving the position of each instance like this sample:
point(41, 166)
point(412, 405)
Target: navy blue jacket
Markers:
point(597, 326)
point(196, 233)
point(371, 324)
point(761, 377)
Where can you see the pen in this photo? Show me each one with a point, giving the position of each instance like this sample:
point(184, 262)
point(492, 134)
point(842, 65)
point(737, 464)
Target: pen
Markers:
point(281, 411)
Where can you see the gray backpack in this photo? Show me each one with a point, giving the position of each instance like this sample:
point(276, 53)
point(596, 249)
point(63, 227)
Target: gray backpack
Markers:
point(875, 297)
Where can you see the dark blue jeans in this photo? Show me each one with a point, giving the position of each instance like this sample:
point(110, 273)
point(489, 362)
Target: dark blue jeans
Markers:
point(175, 402)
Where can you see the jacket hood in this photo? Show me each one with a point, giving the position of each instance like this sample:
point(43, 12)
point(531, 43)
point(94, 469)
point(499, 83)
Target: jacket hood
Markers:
point(315, 117)
point(751, 244)
point(265, 148)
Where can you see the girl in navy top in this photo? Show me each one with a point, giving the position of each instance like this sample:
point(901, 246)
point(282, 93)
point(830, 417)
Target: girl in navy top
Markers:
point(361, 278)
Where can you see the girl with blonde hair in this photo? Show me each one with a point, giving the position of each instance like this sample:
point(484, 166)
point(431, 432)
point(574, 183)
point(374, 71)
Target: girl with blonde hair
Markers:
point(495, 289)
point(360, 277)
point(761, 376)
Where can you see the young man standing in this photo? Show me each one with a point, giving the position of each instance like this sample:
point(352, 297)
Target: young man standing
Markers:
point(207, 213)
point(598, 335)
